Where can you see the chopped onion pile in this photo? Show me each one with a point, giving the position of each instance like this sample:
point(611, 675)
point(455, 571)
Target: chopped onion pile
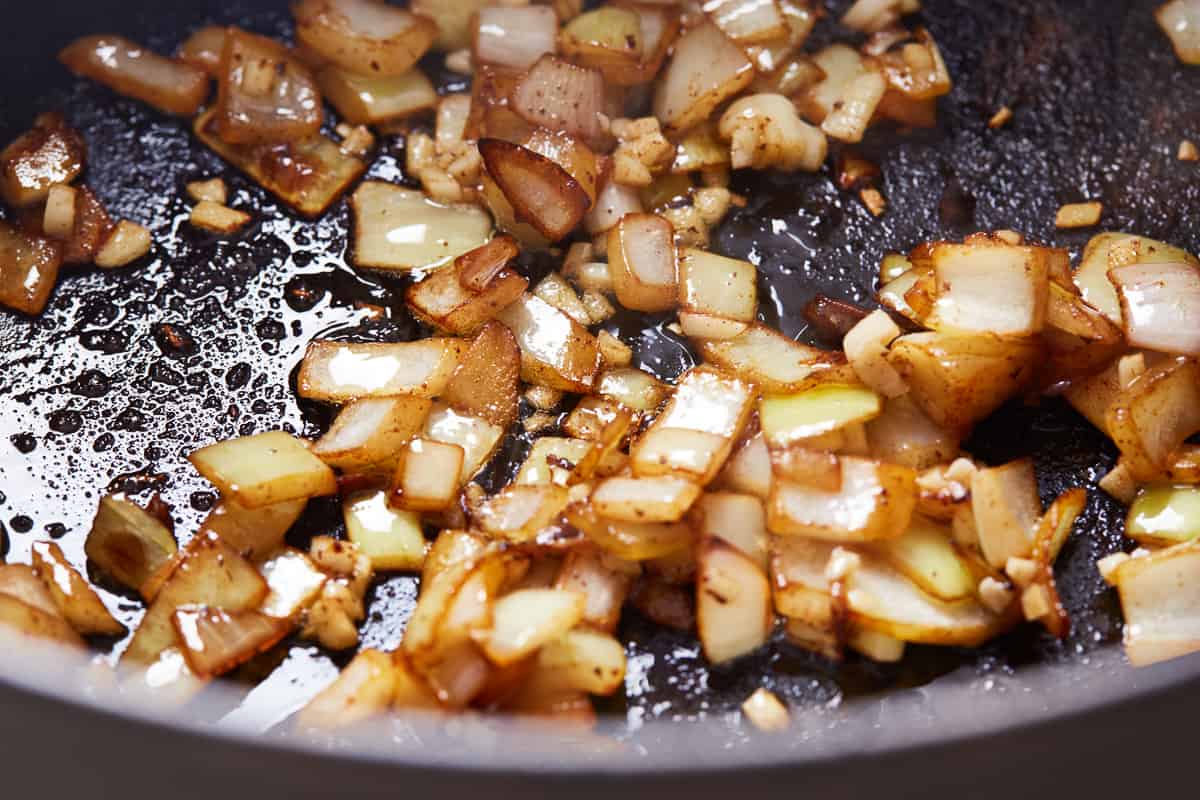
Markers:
point(774, 487)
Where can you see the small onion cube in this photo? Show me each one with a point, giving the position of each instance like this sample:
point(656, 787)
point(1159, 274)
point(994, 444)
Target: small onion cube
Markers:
point(264, 469)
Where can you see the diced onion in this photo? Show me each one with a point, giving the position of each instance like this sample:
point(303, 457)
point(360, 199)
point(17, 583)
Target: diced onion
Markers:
point(1180, 20)
point(515, 37)
point(1160, 305)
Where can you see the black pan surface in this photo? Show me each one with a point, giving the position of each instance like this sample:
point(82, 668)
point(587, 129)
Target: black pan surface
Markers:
point(129, 370)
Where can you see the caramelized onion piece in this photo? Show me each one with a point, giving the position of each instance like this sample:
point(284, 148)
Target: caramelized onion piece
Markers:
point(540, 191)
point(264, 95)
point(48, 155)
point(215, 641)
point(364, 36)
point(28, 269)
point(129, 69)
point(1180, 20)
point(203, 49)
point(642, 261)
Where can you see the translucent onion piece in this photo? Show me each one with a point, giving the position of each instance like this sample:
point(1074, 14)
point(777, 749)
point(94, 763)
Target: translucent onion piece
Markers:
point(706, 70)
point(1180, 20)
point(560, 96)
point(130, 69)
point(1160, 305)
point(215, 641)
point(364, 36)
point(515, 37)
point(1160, 598)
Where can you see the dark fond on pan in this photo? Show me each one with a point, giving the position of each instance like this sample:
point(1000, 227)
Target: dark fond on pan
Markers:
point(129, 370)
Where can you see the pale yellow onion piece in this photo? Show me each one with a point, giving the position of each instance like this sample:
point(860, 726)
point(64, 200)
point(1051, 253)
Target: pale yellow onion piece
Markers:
point(902, 434)
point(733, 602)
point(364, 36)
point(1164, 515)
point(253, 532)
point(766, 712)
point(210, 573)
point(883, 600)
point(586, 661)
point(555, 290)
point(453, 20)
point(340, 372)
point(717, 286)
point(841, 65)
point(556, 351)
point(514, 37)
point(1152, 418)
point(926, 555)
point(774, 362)
point(748, 21)
point(1160, 599)
point(866, 345)
point(476, 436)
point(603, 585)
point(653, 499)
point(749, 469)
point(700, 149)
point(76, 600)
point(695, 455)
point(1159, 304)
point(706, 70)
point(58, 220)
point(370, 100)
point(519, 513)
point(127, 542)
point(1007, 508)
point(362, 690)
point(642, 262)
point(870, 16)
point(1180, 20)
point(738, 519)
point(215, 641)
point(453, 111)
point(875, 501)
point(392, 539)
point(264, 469)
point(970, 278)
point(765, 132)
point(787, 419)
point(703, 326)
point(293, 581)
point(127, 243)
point(443, 302)
point(631, 541)
point(608, 39)
point(22, 582)
point(401, 229)
point(892, 293)
point(552, 460)
point(632, 388)
point(525, 620)
point(875, 645)
point(218, 218)
point(613, 202)
point(427, 478)
point(708, 401)
point(134, 71)
point(800, 585)
point(370, 432)
point(20, 620)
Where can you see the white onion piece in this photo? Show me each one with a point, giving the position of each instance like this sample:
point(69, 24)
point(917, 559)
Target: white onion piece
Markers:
point(748, 21)
point(706, 70)
point(614, 201)
point(1160, 598)
point(560, 96)
point(515, 37)
point(972, 278)
point(1180, 20)
point(1160, 304)
point(364, 36)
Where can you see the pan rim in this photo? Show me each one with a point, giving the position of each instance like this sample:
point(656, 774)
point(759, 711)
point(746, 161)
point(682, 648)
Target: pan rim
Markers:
point(1040, 695)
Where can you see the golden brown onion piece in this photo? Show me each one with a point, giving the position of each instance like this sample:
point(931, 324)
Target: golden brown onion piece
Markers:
point(129, 69)
point(363, 36)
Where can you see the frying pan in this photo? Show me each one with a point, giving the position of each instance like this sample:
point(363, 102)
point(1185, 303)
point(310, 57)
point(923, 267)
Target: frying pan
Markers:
point(129, 370)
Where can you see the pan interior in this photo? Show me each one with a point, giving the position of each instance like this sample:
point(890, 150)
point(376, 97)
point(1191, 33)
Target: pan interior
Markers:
point(127, 371)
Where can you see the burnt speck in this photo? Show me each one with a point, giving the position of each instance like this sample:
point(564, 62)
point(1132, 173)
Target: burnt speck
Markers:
point(271, 330)
point(202, 501)
point(237, 376)
point(24, 442)
point(55, 530)
point(301, 296)
point(103, 442)
point(91, 383)
point(21, 523)
point(108, 342)
point(173, 340)
point(130, 420)
point(66, 421)
point(137, 482)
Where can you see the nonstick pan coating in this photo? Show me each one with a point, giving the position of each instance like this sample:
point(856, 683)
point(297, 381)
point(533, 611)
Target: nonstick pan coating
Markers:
point(129, 370)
